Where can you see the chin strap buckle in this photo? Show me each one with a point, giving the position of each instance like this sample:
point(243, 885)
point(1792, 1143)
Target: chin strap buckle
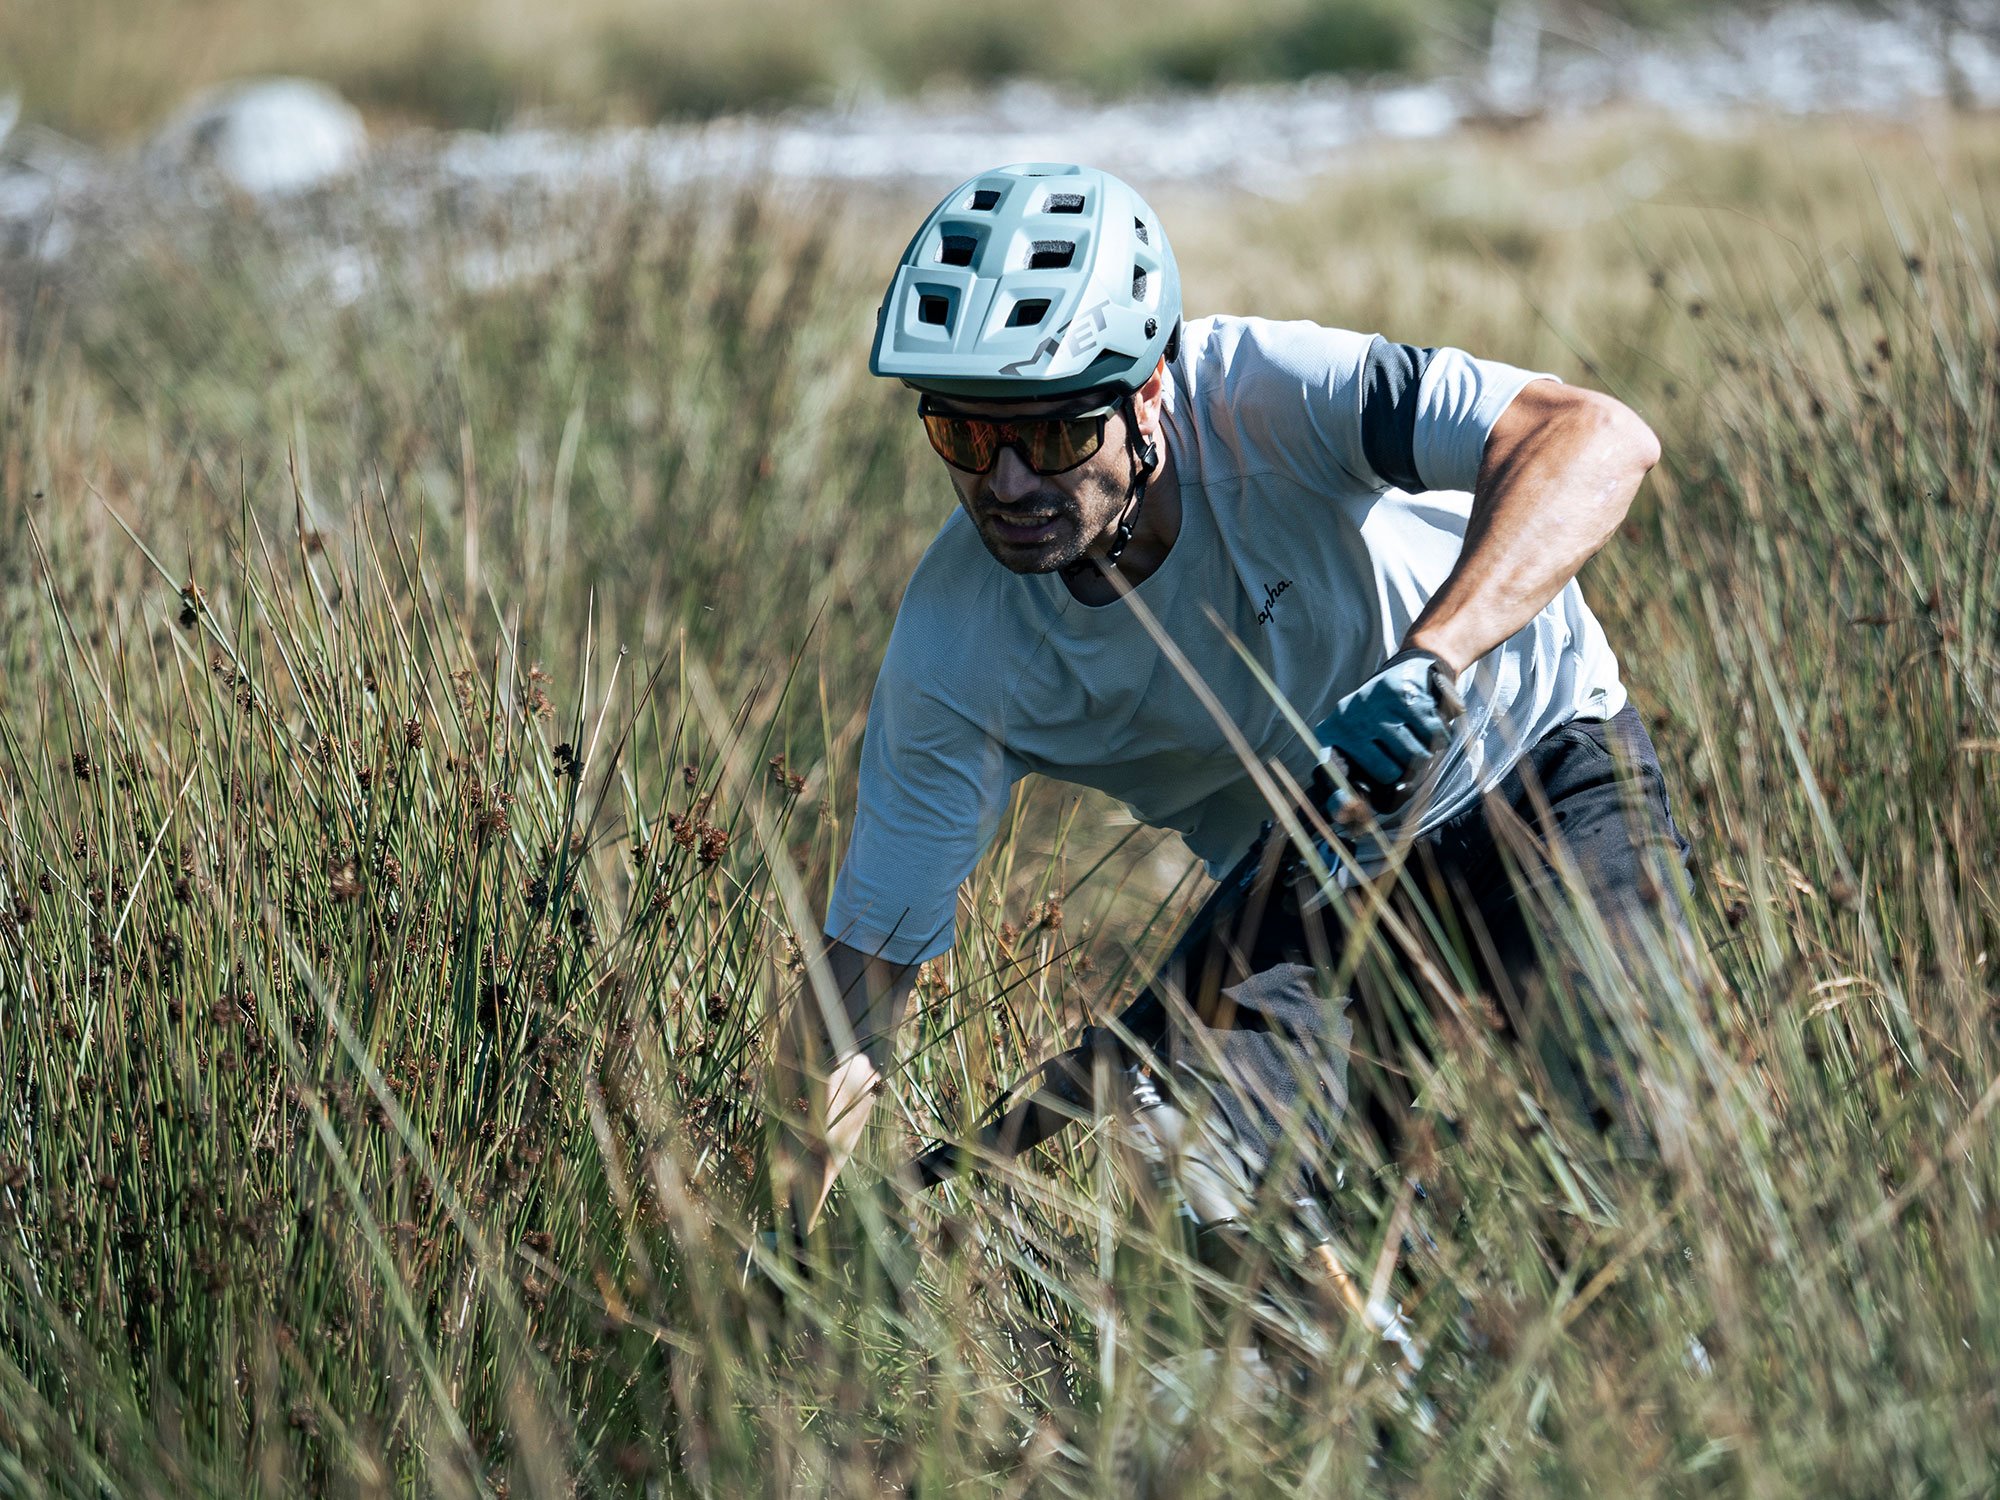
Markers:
point(1124, 535)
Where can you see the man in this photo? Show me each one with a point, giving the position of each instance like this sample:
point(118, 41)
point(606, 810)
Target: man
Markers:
point(1383, 530)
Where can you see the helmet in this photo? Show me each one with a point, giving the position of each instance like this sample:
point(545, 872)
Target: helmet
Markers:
point(1028, 281)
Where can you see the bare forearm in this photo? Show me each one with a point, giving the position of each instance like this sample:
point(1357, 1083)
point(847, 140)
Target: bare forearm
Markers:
point(833, 1064)
point(1559, 473)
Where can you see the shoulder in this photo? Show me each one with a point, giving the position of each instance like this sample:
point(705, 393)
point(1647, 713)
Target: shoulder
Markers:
point(1227, 346)
point(1265, 396)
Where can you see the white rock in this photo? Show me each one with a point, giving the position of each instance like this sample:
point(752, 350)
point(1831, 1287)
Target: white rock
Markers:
point(268, 136)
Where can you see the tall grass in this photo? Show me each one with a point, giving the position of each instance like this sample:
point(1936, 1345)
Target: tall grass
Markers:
point(426, 730)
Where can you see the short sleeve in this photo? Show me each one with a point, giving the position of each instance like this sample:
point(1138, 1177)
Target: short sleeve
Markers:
point(1457, 400)
point(1339, 410)
point(932, 788)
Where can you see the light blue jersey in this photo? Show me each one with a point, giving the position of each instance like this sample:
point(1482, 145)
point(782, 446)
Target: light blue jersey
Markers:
point(1324, 486)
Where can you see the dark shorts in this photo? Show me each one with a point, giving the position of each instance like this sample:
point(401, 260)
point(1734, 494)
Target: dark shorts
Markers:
point(1293, 1038)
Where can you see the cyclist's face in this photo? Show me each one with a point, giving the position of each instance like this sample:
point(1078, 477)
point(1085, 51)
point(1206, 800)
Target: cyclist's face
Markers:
point(1037, 523)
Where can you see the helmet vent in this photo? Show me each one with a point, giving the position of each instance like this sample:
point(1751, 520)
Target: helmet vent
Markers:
point(1138, 283)
point(984, 199)
point(1139, 229)
point(1064, 203)
point(957, 249)
point(933, 310)
point(1028, 313)
point(1052, 255)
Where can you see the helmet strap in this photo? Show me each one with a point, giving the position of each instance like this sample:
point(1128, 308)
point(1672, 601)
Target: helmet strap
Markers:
point(1145, 454)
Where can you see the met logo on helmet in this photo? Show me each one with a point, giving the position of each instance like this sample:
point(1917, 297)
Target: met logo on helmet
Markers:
point(1080, 333)
point(1043, 353)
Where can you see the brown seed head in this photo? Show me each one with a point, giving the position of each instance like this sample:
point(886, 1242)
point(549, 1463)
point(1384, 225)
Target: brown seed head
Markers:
point(343, 880)
point(632, 1461)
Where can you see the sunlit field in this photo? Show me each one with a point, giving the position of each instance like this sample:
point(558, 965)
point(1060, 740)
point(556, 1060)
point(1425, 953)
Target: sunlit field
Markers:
point(427, 728)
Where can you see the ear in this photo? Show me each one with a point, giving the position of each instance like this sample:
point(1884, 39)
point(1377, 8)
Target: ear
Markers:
point(1146, 402)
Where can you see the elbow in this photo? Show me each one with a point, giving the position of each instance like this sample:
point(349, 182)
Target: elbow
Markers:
point(1620, 448)
point(1632, 447)
point(1642, 446)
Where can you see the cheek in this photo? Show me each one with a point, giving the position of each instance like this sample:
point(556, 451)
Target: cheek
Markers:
point(1099, 486)
point(964, 485)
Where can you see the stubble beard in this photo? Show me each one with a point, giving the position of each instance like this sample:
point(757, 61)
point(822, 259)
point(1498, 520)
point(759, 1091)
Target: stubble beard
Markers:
point(1065, 549)
point(1068, 547)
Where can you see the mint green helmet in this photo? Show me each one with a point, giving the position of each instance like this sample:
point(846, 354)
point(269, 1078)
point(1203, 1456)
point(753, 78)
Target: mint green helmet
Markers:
point(1031, 281)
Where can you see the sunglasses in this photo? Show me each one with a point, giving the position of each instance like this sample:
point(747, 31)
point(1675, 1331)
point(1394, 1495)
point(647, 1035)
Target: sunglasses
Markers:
point(1048, 445)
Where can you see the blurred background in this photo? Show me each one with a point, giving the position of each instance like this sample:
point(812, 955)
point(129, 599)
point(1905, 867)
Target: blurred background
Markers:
point(108, 70)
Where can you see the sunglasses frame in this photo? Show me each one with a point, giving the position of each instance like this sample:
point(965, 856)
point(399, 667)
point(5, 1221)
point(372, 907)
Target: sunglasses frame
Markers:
point(1010, 436)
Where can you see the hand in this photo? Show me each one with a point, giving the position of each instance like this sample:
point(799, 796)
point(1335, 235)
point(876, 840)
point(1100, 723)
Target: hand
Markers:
point(1386, 729)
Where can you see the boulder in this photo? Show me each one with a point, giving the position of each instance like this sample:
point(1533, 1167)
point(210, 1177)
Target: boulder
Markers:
point(264, 137)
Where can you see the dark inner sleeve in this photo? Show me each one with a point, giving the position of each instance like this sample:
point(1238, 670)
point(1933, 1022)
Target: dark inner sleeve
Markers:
point(1390, 380)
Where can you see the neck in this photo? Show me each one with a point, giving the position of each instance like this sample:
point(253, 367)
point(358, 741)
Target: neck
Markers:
point(1153, 537)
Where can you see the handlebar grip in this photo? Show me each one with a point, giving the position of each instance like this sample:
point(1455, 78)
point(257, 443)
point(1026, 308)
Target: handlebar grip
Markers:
point(1383, 799)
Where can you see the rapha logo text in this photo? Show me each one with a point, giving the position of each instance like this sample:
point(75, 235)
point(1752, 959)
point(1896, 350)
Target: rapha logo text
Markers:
point(1271, 593)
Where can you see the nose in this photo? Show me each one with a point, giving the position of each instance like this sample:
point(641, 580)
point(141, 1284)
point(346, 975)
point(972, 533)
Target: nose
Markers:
point(1012, 481)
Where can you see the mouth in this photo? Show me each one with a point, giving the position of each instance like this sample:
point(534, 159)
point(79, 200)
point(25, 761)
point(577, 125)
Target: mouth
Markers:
point(1026, 527)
